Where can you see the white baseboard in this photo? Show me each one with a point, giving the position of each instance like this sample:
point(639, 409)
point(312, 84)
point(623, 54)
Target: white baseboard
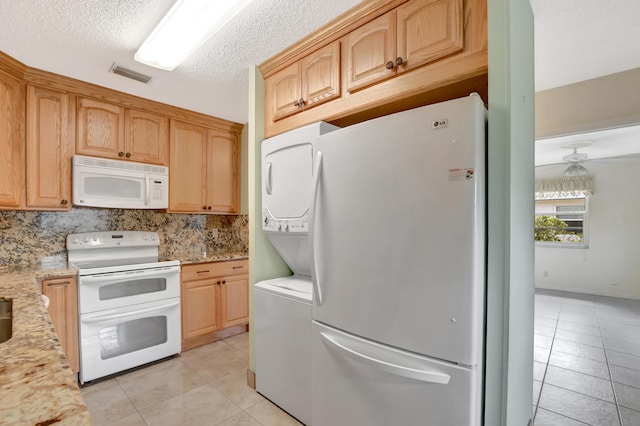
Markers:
point(581, 291)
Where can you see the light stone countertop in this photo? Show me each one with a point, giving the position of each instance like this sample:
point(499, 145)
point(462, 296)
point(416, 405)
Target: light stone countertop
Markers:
point(37, 385)
point(191, 258)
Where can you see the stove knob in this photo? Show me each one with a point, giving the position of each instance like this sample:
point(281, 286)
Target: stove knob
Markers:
point(95, 239)
point(144, 237)
point(153, 238)
point(286, 227)
point(86, 239)
point(76, 240)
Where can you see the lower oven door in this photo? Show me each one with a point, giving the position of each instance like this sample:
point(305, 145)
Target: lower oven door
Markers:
point(117, 339)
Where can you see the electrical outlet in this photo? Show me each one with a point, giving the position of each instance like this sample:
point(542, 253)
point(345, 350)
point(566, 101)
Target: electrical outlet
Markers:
point(213, 232)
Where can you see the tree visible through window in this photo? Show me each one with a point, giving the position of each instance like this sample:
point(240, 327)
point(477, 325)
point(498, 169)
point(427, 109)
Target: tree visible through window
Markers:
point(561, 222)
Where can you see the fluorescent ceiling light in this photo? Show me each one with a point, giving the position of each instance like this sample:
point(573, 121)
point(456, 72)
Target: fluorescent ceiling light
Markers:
point(185, 28)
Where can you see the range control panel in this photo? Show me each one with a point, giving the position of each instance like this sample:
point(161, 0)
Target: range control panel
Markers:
point(106, 239)
point(271, 224)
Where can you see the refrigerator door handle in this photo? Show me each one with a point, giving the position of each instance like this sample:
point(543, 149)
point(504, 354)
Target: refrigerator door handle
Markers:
point(267, 179)
point(423, 374)
point(313, 206)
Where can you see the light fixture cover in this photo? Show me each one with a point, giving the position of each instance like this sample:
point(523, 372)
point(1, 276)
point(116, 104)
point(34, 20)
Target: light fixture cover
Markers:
point(187, 25)
point(576, 169)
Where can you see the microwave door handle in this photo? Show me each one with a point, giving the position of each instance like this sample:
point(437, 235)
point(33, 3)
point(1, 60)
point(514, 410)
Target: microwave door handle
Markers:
point(108, 317)
point(147, 192)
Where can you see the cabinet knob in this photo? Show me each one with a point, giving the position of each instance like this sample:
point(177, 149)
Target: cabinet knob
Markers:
point(209, 208)
point(390, 65)
point(218, 282)
point(63, 202)
point(120, 154)
point(296, 103)
point(301, 102)
point(128, 155)
point(399, 61)
point(204, 207)
point(224, 281)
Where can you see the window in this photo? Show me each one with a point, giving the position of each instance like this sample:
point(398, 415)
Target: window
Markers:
point(561, 222)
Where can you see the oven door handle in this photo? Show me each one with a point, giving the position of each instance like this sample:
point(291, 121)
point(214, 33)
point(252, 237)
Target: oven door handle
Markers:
point(163, 272)
point(127, 314)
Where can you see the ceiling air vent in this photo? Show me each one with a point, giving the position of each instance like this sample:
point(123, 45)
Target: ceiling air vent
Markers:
point(126, 72)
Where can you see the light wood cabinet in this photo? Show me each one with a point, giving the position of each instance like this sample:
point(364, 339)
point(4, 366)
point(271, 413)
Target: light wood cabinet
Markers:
point(112, 131)
point(416, 33)
point(307, 83)
point(63, 310)
point(100, 128)
point(146, 137)
point(223, 171)
point(395, 55)
point(234, 301)
point(214, 296)
point(49, 149)
point(11, 146)
point(204, 169)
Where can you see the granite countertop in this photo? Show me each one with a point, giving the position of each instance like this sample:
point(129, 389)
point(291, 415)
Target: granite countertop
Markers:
point(194, 258)
point(36, 382)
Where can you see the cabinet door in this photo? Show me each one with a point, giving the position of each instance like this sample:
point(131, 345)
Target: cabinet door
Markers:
point(187, 173)
point(321, 75)
point(100, 129)
point(223, 179)
point(429, 30)
point(49, 149)
point(368, 50)
point(146, 137)
point(11, 159)
point(63, 310)
point(234, 301)
point(284, 90)
point(199, 308)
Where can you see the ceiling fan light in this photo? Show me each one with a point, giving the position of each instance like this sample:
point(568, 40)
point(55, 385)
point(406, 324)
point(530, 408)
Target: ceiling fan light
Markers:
point(576, 170)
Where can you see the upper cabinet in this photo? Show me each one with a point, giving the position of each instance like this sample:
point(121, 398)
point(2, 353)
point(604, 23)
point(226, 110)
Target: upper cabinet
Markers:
point(11, 160)
point(204, 169)
point(112, 131)
point(414, 34)
point(49, 149)
point(305, 84)
point(394, 55)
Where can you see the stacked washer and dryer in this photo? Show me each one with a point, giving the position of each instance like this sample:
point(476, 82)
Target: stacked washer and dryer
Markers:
point(282, 306)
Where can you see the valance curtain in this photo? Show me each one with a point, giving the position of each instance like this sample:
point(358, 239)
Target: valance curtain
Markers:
point(567, 187)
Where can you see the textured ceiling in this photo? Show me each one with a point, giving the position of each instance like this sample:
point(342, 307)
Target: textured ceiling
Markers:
point(82, 38)
point(575, 40)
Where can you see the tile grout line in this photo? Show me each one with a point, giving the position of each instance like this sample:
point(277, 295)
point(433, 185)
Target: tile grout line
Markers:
point(546, 366)
point(613, 388)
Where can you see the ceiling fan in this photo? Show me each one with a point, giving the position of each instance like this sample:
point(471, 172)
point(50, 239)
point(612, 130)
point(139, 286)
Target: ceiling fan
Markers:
point(575, 159)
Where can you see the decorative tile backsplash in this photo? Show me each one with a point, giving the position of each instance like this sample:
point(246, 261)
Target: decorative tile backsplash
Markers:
point(33, 237)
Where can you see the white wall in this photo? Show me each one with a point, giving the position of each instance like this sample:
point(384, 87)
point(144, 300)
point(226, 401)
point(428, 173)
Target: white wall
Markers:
point(610, 265)
point(510, 286)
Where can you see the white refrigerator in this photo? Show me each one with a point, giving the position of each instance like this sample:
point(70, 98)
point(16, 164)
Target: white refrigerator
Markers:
point(397, 232)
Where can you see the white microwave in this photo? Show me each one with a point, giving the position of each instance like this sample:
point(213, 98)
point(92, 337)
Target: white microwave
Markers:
point(98, 182)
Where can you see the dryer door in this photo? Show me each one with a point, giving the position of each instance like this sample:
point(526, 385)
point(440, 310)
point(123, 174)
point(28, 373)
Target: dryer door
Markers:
point(286, 185)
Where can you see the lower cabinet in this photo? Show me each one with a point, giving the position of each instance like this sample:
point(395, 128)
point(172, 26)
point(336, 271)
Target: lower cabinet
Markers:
point(214, 297)
point(63, 310)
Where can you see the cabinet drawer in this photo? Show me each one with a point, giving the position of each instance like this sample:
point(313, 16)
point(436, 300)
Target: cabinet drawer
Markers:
point(214, 269)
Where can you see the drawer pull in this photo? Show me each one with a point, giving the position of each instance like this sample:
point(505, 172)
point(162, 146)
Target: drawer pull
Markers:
point(203, 272)
point(58, 283)
point(238, 267)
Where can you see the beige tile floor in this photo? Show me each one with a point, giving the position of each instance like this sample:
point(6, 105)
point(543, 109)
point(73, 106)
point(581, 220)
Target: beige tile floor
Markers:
point(203, 386)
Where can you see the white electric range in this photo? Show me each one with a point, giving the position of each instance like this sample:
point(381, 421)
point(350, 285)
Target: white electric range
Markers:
point(128, 301)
